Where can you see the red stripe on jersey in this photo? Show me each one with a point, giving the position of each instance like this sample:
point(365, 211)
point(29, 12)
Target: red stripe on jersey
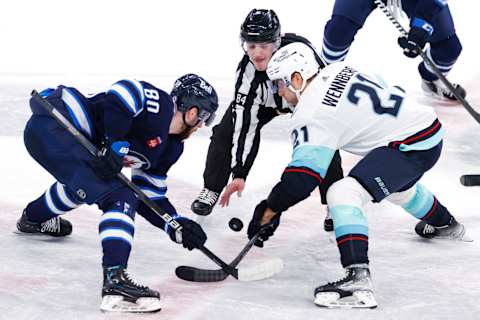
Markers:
point(310, 173)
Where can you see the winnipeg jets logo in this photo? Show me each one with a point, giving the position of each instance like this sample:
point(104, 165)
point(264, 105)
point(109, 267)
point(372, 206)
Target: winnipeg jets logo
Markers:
point(136, 160)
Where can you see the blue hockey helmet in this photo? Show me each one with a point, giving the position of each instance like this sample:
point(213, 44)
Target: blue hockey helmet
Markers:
point(190, 91)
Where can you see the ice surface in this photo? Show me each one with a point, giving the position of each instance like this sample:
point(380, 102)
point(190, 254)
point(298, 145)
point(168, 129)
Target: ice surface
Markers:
point(44, 278)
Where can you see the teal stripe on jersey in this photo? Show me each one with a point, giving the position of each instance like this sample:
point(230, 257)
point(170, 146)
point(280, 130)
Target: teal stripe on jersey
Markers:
point(425, 144)
point(348, 220)
point(421, 202)
point(317, 158)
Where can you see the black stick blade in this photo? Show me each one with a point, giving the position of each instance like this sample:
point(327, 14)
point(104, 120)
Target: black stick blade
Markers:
point(193, 274)
point(470, 180)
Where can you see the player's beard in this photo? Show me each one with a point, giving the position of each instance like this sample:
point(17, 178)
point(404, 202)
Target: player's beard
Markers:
point(186, 132)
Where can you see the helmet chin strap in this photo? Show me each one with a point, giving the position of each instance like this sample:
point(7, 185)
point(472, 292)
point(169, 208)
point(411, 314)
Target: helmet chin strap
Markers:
point(298, 92)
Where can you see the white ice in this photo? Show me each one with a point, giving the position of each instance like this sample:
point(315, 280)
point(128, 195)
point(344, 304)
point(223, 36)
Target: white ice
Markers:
point(90, 44)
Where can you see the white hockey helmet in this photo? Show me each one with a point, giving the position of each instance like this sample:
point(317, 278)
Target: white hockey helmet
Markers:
point(294, 57)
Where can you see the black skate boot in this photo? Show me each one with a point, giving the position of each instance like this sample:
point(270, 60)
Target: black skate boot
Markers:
point(328, 222)
point(120, 293)
point(56, 227)
point(205, 202)
point(355, 290)
point(438, 90)
point(452, 231)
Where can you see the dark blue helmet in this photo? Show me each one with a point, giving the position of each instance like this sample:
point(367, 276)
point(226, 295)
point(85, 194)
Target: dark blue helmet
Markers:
point(260, 25)
point(190, 91)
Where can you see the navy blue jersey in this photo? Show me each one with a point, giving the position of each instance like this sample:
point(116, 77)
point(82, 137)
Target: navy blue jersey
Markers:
point(133, 111)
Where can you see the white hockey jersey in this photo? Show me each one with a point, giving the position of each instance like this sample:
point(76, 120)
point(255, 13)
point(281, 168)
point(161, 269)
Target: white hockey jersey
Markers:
point(347, 110)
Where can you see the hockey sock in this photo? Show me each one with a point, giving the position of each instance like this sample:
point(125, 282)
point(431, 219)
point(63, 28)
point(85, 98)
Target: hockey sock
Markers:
point(57, 200)
point(425, 206)
point(351, 232)
point(117, 227)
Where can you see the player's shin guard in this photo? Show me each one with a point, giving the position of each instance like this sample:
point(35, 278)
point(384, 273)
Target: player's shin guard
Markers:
point(346, 199)
point(422, 204)
point(116, 231)
point(57, 200)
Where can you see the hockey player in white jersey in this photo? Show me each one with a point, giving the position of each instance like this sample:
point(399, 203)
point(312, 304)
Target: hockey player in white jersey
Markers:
point(340, 108)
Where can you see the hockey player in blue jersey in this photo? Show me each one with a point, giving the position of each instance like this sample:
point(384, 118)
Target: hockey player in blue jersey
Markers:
point(340, 108)
point(430, 21)
point(136, 125)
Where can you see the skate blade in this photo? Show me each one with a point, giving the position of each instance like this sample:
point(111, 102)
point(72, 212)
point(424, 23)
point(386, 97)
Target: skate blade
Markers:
point(359, 299)
point(118, 304)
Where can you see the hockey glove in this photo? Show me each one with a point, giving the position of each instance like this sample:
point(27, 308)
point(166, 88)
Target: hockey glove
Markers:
point(110, 161)
point(255, 226)
point(418, 35)
point(191, 235)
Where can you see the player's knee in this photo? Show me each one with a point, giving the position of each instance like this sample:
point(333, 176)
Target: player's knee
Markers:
point(340, 31)
point(403, 197)
point(446, 50)
point(121, 200)
point(347, 191)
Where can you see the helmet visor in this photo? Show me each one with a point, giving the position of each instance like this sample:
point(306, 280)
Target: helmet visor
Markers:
point(251, 45)
point(206, 117)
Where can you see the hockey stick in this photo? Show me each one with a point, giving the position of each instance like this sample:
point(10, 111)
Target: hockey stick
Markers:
point(64, 122)
point(470, 180)
point(428, 61)
point(266, 270)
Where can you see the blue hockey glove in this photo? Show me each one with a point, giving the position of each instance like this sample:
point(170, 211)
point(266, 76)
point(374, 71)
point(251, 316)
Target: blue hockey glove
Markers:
point(255, 225)
point(110, 161)
point(191, 235)
point(418, 35)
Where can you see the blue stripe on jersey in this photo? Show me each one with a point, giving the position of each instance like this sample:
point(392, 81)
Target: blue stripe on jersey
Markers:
point(441, 3)
point(421, 202)
point(53, 201)
point(129, 94)
point(77, 112)
point(139, 89)
point(66, 196)
point(317, 158)
point(333, 54)
point(150, 179)
point(154, 193)
point(348, 220)
point(425, 144)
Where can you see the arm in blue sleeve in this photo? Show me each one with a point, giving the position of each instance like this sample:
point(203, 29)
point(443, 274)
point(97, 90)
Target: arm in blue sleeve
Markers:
point(304, 173)
point(295, 185)
point(152, 217)
point(427, 9)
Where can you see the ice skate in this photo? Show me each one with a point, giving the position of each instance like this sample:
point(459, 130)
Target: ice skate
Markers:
point(56, 227)
point(438, 90)
point(355, 290)
point(452, 231)
point(121, 294)
point(205, 202)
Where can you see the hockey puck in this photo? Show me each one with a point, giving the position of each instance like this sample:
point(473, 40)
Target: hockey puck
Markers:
point(235, 224)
